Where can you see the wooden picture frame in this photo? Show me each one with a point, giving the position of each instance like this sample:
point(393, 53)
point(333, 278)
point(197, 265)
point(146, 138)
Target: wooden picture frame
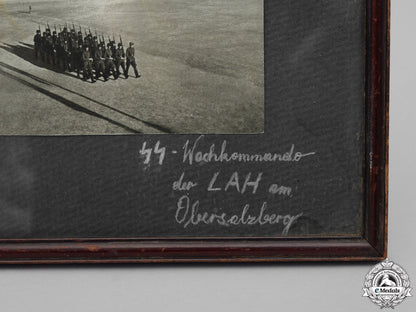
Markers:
point(371, 246)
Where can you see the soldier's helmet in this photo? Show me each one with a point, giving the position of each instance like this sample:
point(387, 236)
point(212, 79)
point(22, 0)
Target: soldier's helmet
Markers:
point(120, 45)
point(54, 32)
point(38, 31)
point(131, 43)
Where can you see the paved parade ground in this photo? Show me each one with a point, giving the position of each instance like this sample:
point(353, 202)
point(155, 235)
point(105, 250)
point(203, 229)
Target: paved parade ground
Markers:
point(201, 63)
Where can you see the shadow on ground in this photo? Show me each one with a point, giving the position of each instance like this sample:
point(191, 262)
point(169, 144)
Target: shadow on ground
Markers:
point(65, 101)
point(26, 52)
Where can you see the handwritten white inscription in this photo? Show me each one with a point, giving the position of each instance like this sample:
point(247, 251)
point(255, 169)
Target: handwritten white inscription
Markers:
point(192, 154)
point(235, 182)
point(188, 211)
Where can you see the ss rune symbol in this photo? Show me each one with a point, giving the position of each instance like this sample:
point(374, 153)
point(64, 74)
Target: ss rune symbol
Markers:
point(387, 284)
point(147, 152)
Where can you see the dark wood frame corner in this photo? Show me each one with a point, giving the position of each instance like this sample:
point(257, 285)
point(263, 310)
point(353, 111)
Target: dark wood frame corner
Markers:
point(371, 246)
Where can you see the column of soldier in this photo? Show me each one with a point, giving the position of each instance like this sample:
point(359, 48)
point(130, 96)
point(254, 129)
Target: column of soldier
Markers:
point(85, 54)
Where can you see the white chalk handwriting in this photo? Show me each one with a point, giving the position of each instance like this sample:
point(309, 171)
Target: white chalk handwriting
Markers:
point(188, 214)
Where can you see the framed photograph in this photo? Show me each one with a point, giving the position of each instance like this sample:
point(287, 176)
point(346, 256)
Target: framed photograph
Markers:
point(193, 131)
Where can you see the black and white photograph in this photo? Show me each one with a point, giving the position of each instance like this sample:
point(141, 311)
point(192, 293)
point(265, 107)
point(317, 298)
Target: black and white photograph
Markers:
point(90, 67)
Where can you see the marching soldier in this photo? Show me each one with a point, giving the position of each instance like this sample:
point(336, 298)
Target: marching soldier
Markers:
point(60, 51)
point(49, 47)
point(38, 43)
point(54, 46)
point(113, 47)
point(66, 55)
point(78, 60)
point(43, 46)
point(74, 51)
point(86, 58)
point(72, 42)
point(120, 60)
point(99, 62)
point(109, 64)
point(131, 60)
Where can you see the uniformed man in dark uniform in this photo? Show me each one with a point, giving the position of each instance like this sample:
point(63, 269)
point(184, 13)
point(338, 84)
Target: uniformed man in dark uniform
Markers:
point(86, 58)
point(43, 46)
point(74, 51)
point(131, 60)
point(99, 62)
point(79, 63)
point(72, 40)
point(121, 60)
point(54, 48)
point(49, 46)
point(60, 51)
point(66, 55)
point(113, 47)
point(109, 63)
point(38, 43)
